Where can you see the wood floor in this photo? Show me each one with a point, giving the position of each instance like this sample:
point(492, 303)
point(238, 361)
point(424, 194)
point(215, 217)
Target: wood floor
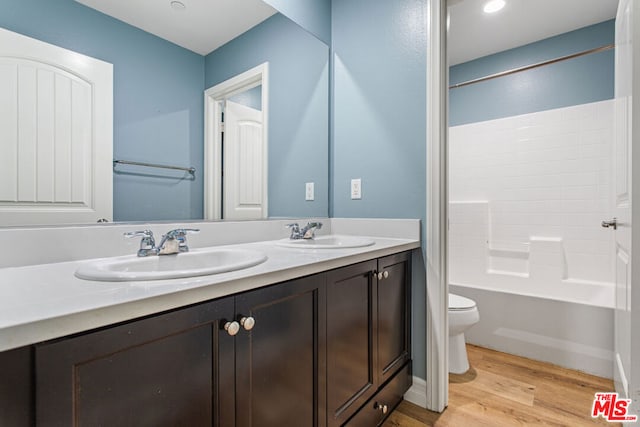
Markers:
point(505, 390)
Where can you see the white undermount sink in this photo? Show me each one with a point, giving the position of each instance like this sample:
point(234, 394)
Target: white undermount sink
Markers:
point(199, 262)
point(332, 241)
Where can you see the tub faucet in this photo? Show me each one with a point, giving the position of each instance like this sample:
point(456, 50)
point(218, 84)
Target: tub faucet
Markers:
point(307, 232)
point(175, 241)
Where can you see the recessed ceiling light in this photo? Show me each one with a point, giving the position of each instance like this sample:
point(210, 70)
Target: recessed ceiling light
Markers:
point(493, 6)
point(178, 5)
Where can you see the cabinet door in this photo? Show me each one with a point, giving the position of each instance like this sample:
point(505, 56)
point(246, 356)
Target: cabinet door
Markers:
point(351, 340)
point(280, 362)
point(16, 388)
point(159, 371)
point(394, 323)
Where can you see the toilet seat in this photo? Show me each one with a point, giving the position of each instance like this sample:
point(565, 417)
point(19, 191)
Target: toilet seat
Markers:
point(460, 303)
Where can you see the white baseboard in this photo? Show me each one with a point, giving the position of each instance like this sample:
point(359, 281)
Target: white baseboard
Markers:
point(417, 394)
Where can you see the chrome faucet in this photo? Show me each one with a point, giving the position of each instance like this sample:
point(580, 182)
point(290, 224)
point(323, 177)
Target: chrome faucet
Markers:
point(147, 244)
point(175, 241)
point(307, 232)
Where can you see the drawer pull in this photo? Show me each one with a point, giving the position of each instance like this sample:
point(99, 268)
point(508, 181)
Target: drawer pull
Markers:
point(385, 274)
point(381, 407)
point(247, 323)
point(232, 328)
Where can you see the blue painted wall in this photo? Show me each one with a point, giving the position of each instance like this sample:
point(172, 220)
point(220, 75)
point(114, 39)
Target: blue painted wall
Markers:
point(312, 15)
point(379, 116)
point(577, 81)
point(298, 108)
point(158, 102)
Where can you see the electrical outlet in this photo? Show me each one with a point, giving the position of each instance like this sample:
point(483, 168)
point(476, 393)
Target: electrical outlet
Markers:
point(356, 189)
point(309, 192)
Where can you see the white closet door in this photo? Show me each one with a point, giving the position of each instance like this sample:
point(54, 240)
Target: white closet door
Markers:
point(56, 134)
point(243, 166)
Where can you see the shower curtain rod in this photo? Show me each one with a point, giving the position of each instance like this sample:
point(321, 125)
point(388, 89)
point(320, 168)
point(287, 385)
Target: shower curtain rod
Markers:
point(536, 65)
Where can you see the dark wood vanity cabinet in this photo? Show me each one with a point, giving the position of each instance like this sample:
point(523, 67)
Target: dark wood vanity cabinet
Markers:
point(394, 317)
point(351, 339)
point(280, 364)
point(323, 350)
point(368, 330)
point(167, 370)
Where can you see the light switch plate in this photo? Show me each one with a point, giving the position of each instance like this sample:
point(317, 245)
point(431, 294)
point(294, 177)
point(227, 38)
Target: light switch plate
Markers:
point(356, 189)
point(310, 191)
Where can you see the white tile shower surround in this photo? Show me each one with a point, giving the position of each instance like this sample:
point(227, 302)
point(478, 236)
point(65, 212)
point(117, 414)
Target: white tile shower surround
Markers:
point(527, 195)
point(541, 184)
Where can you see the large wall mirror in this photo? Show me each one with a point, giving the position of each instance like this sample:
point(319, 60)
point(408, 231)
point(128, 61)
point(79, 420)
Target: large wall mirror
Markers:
point(159, 86)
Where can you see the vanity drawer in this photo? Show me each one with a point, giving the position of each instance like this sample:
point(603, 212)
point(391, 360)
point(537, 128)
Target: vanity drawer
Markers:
point(372, 414)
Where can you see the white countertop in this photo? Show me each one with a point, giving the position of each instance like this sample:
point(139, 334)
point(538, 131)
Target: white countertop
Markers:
point(46, 301)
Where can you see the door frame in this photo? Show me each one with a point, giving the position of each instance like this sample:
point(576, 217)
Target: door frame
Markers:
point(214, 98)
point(435, 245)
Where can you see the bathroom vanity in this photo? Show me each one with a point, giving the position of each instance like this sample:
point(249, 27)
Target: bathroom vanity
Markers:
point(327, 346)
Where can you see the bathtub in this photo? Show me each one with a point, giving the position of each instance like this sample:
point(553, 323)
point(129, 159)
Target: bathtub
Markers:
point(569, 325)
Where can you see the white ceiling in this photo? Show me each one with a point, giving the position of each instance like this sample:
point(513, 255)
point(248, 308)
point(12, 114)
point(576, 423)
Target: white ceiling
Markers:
point(203, 26)
point(474, 34)
point(206, 25)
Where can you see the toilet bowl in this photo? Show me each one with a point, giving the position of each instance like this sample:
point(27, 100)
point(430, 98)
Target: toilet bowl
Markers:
point(463, 314)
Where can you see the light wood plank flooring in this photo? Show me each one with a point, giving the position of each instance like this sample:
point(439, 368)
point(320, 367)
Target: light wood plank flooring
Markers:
point(505, 390)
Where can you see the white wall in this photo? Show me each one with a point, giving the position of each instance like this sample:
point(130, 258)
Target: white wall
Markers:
point(528, 194)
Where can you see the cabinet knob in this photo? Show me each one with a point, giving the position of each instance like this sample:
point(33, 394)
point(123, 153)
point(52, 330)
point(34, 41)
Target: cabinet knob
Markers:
point(247, 323)
point(381, 407)
point(381, 274)
point(232, 328)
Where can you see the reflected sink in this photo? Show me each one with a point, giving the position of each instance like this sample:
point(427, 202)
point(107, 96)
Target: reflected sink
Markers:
point(333, 241)
point(199, 262)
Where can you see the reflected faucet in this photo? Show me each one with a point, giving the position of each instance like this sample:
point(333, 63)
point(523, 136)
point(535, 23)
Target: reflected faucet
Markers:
point(307, 232)
point(175, 241)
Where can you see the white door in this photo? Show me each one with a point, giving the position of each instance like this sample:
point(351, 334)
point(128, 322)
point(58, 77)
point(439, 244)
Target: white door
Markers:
point(56, 127)
point(627, 312)
point(243, 164)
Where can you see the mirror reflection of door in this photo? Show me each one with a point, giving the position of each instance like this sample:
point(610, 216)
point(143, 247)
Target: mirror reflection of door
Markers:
point(242, 101)
point(243, 156)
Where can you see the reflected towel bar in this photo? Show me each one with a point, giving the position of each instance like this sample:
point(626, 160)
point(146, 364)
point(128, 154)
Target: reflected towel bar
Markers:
point(191, 170)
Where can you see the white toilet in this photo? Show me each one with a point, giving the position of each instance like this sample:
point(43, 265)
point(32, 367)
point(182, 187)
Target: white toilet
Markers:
point(463, 314)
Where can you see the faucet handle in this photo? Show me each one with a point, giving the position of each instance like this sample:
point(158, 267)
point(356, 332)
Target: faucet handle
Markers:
point(309, 231)
point(295, 230)
point(147, 244)
point(143, 233)
point(180, 234)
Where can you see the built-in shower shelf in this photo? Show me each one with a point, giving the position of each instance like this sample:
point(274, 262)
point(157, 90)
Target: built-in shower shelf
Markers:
point(508, 273)
point(508, 258)
point(509, 253)
point(509, 249)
